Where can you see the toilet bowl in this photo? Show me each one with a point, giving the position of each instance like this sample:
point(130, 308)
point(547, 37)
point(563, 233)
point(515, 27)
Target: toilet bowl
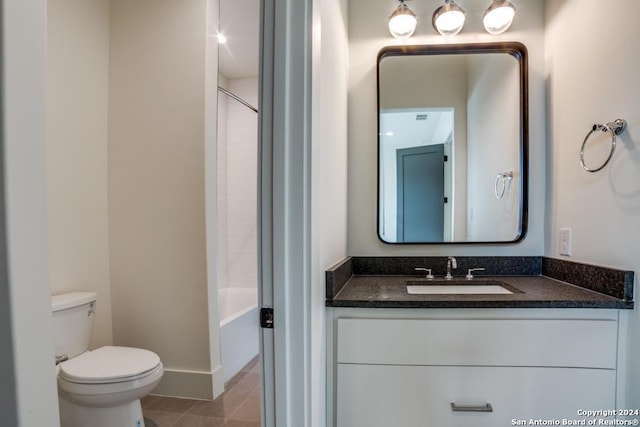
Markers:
point(102, 387)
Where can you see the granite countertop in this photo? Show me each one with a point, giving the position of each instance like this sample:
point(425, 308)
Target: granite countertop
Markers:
point(536, 282)
point(529, 292)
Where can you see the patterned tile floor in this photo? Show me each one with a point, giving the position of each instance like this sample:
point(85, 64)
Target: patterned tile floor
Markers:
point(238, 406)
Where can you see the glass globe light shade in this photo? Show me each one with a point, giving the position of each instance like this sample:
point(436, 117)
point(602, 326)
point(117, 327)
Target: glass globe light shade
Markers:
point(402, 22)
point(498, 16)
point(448, 19)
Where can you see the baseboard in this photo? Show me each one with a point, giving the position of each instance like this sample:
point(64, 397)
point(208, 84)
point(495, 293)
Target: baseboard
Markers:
point(218, 381)
point(191, 384)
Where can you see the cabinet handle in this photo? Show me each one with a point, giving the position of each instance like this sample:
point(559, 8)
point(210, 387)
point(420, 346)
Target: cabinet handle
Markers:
point(471, 408)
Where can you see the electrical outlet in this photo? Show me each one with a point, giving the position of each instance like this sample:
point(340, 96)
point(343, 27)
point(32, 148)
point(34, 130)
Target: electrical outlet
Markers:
point(565, 241)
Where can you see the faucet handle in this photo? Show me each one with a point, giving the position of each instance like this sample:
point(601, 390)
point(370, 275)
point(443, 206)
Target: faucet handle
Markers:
point(469, 276)
point(428, 270)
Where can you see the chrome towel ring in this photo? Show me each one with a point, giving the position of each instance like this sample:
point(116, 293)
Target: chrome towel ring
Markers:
point(614, 128)
point(505, 177)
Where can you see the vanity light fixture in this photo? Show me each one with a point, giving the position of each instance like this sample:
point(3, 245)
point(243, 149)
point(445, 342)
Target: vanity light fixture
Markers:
point(498, 16)
point(402, 22)
point(448, 19)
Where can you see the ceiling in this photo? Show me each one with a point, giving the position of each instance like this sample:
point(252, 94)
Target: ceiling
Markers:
point(402, 128)
point(240, 24)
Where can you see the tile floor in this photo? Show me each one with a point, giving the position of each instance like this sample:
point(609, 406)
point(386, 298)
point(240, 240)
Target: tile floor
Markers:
point(238, 406)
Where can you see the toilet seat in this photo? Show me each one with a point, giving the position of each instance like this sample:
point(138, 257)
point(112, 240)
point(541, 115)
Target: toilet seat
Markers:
point(109, 364)
point(110, 394)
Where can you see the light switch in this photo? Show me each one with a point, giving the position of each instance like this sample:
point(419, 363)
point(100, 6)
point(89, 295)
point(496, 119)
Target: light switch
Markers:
point(565, 241)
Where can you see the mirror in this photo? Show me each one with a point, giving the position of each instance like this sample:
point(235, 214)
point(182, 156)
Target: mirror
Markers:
point(452, 143)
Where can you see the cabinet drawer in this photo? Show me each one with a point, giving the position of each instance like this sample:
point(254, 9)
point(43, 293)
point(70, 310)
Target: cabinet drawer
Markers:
point(479, 342)
point(421, 396)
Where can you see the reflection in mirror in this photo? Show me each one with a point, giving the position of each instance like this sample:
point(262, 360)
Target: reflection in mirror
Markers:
point(452, 143)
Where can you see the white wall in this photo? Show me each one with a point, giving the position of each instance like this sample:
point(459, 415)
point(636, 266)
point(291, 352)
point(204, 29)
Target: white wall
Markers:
point(76, 148)
point(157, 187)
point(23, 110)
point(494, 124)
point(592, 77)
point(366, 38)
point(328, 179)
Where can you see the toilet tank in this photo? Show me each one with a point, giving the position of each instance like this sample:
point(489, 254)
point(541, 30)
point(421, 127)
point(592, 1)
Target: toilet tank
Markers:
point(73, 315)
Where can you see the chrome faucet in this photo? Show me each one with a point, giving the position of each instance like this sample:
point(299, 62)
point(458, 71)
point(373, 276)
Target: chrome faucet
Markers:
point(451, 263)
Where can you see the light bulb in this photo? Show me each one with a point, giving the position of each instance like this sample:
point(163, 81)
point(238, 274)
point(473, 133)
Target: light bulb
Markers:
point(498, 16)
point(402, 22)
point(448, 19)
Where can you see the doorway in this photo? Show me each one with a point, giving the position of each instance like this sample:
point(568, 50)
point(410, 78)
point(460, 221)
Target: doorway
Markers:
point(420, 192)
point(237, 193)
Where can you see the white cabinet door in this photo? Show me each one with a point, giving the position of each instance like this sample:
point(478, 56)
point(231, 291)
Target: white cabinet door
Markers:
point(421, 396)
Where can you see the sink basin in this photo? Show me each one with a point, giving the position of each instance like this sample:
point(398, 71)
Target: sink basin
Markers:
point(419, 287)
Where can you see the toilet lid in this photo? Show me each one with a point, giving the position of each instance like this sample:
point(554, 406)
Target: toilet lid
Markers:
point(109, 364)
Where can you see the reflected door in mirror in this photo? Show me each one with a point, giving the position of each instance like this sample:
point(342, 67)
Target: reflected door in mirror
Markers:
point(420, 193)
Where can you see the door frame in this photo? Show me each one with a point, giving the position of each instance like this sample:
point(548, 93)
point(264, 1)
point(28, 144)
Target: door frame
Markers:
point(284, 209)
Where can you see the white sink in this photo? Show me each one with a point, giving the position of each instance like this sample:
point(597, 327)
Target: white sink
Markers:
point(457, 289)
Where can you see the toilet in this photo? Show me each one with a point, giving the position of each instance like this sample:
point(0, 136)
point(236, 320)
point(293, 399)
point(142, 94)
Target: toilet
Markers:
point(102, 387)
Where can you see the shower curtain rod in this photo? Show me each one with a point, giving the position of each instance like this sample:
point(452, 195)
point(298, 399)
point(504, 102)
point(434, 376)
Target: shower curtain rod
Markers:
point(237, 98)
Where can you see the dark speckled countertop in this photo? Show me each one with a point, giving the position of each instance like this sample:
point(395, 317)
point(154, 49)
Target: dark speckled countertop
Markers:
point(366, 282)
point(535, 292)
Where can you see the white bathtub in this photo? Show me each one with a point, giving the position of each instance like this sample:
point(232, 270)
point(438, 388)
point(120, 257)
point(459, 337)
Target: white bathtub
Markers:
point(238, 328)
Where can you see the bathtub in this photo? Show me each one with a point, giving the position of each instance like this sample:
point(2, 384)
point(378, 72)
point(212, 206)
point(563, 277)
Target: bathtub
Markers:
point(238, 328)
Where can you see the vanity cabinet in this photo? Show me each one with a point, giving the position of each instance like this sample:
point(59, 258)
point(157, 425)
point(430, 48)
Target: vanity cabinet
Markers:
point(404, 370)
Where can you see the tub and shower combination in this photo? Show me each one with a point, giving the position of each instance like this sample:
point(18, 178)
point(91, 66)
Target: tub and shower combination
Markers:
point(238, 328)
point(237, 224)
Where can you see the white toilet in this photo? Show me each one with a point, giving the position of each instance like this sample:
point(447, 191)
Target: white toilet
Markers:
point(103, 387)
